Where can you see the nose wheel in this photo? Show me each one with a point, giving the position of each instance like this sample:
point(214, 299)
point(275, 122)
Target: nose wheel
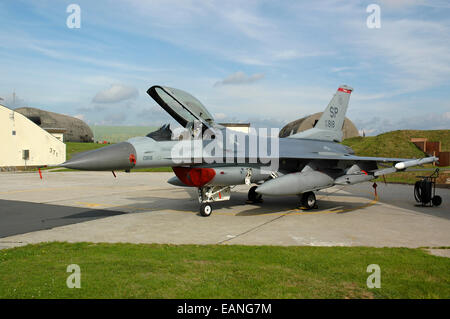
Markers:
point(205, 209)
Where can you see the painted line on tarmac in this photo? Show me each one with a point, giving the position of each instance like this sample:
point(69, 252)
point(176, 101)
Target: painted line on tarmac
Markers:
point(250, 230)
point(295, 212)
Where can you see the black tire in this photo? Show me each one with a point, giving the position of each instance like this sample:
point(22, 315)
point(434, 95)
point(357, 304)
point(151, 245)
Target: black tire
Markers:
point(437, 200)
point(418, 192)
point(253, 196)
point(205, 210)
point(423, 191)
point(309, 200)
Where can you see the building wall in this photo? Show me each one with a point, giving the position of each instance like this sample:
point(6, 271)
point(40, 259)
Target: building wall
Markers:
point(59, 136)
point(240, 127)
point(444, 158)
point(18, 133)
point(432, 149)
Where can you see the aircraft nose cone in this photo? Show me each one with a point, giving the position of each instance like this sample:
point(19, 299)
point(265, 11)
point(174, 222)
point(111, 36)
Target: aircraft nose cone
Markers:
point(114, 157)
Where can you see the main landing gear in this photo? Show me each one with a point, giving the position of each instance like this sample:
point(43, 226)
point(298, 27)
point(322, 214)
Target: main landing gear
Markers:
point(308, 200)
point(253, 196)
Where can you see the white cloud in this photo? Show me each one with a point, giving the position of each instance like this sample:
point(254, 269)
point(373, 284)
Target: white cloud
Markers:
point(446, 116)
point(62, 50)
point(240, 78)
point(263, 100)
point(116, 93)
point(238, 31)
point(342, 68)
point(417, 51)
point(409, 54)
point(79, 116)
point(405, 4)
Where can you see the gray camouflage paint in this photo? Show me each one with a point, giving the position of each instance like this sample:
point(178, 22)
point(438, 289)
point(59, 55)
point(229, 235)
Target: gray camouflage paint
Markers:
point(307, 161)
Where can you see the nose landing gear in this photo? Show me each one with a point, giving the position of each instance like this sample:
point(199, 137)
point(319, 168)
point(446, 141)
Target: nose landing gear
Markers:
point(205, 209)
point(210, 194)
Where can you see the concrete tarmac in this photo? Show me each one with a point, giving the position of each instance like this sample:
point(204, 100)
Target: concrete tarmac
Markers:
point(143, 208)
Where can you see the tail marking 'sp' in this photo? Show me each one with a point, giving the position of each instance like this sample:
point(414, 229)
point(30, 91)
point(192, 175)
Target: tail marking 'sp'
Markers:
point(329, 126)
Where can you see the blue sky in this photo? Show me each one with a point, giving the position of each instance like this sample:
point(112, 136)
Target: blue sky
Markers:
point(267, 62)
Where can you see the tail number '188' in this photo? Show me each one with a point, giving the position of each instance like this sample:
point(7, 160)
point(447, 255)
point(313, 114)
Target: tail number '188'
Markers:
point(329, 123)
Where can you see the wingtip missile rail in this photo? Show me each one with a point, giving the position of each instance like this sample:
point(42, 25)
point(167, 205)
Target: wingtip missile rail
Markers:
point(421, 161)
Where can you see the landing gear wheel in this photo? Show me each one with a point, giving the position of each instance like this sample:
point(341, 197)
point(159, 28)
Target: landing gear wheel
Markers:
point(253, 196)
point(205, 209)
point(418, 192)
point(437, 200)
point(309, 200)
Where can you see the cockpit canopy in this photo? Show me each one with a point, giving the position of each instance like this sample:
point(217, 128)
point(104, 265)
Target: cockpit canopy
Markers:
point(182, 106)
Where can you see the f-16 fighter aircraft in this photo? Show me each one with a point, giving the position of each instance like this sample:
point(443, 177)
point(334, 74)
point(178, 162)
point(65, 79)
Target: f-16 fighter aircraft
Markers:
point(214, 159)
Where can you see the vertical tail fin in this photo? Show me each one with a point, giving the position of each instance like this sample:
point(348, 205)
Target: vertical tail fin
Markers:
point(329, 126)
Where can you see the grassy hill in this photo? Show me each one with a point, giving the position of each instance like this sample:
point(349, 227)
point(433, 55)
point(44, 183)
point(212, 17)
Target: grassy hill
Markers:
point(396, 143)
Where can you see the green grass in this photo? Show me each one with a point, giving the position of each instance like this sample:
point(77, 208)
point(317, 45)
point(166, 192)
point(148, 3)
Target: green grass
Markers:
point(214, 271)
point(115, 134)
point(73, 148)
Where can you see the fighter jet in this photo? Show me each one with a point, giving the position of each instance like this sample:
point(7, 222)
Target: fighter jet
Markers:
point(214, 159)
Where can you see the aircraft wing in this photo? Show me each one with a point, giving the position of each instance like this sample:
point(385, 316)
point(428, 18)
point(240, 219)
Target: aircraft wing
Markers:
point(400, 163)
point(341, 157)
